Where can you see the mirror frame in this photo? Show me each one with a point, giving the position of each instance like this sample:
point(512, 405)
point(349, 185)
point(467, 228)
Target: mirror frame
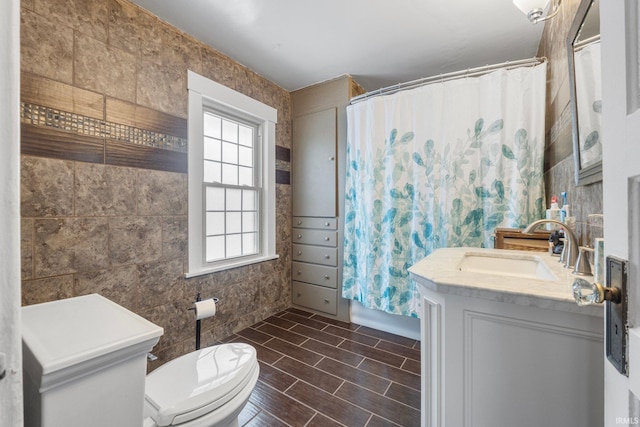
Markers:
point(592, 173)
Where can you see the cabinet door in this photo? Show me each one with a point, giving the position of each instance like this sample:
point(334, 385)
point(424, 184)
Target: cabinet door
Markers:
point(314, 164)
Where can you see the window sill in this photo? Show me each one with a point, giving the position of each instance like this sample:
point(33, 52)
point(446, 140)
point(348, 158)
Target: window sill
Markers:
point(230, 265)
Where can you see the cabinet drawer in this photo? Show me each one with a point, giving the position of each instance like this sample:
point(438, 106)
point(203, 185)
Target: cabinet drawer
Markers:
point(315, 237)
point(315, 297)
point(316, 274)
point(316, 254)
point(314, 222)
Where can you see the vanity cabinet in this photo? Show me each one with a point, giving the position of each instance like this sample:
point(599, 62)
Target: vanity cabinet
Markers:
point(505, 350)
point(317, 181)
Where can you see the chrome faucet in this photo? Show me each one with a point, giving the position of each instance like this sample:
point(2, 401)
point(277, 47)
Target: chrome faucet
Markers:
point(571, 246)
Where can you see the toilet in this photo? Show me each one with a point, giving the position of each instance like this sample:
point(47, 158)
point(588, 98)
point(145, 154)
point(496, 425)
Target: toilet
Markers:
point(85, 360)
point(208, 387)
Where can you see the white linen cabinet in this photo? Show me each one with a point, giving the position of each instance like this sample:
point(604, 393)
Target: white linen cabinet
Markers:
point(317, 180)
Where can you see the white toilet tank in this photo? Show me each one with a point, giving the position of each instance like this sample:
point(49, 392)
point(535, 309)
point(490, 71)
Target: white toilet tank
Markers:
point(84, 363)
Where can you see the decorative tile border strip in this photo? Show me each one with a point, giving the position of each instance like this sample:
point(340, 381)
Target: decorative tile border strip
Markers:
point(50, 117)
point(283, 165)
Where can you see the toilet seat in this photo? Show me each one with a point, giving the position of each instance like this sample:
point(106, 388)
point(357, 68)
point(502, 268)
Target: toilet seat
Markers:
point(199, 383)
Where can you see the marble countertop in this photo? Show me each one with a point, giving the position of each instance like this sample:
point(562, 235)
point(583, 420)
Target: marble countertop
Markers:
point(441, 272)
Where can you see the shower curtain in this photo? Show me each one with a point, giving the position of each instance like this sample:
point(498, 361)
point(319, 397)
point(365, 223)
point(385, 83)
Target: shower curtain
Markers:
point(589, 99)
point(439, 166)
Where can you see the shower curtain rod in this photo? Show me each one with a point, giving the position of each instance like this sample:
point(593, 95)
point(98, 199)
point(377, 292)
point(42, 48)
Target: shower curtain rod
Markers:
point(586, 42)
point(472, 72)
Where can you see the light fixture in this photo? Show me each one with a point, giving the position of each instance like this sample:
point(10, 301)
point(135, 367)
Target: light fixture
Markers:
point(534, 9)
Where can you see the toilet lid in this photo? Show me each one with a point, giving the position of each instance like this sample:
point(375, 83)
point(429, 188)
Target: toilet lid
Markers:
point(199, 382)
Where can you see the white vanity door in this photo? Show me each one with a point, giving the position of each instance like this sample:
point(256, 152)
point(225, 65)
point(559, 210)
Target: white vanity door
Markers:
point(620, 29)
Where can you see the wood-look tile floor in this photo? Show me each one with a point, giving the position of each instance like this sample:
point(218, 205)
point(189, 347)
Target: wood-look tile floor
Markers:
point(316, 371)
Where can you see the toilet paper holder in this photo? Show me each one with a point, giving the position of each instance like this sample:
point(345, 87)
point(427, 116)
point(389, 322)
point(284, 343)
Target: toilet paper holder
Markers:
point(198, 324)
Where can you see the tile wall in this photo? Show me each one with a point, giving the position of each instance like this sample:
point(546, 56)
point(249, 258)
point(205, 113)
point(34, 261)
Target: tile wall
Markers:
point(559, 167)
point(103, 169)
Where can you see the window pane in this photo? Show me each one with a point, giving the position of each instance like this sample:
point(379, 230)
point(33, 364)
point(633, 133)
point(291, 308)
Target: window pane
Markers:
point(215, 223)
point(215, 199)
point(249, 200)
point(245, 156)
point(229, 131)
point(249, 222)
point(229, 174)
point(234, 224)
point(212, 149)
point(246, 136)
point(212, 171)
point(234, 199)
point(212, 125)
point(234, 245)
point(249, 244)
point(229, 153)
point(245, 176)
point(215, 248)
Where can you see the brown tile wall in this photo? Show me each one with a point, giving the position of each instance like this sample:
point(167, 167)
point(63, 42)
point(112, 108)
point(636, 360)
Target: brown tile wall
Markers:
point(559, 168)
point(102, 214)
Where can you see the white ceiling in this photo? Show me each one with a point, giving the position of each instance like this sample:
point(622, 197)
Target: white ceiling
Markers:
point(296, 43)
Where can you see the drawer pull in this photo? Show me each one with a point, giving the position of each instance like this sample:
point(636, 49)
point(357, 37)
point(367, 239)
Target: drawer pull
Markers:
point(299, 236)
point(326, 224)
point(326, 239)
point(332, 158)
point(327, 257)
point(299, 253)
point(327, 277)
point(326, 301)
point(299, 295)
point(299, 272)
point(299, 222)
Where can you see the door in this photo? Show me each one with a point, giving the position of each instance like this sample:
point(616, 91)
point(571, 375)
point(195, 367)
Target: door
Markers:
point(621, 188)
point(314, 164)
point(10, 345)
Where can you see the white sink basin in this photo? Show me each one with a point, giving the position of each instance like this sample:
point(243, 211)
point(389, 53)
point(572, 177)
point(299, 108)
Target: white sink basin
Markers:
point(497, 264)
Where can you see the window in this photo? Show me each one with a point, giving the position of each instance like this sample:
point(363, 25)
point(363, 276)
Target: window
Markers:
point(231, 178)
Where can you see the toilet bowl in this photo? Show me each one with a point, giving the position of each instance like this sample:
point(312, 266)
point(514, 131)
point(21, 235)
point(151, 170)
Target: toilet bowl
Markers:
point(85, 362)
point(208, 387)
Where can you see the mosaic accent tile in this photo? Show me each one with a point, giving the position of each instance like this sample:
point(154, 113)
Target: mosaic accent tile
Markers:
point(283, 165)
point(50, 117)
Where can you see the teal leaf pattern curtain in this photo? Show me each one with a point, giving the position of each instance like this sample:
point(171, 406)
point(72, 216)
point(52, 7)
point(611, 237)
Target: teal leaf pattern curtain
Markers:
point(439, 166)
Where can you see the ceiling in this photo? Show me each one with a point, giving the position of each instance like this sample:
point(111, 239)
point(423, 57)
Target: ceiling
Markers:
point(296, 43)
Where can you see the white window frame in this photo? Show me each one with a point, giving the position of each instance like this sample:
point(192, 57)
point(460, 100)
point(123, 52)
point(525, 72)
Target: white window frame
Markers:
point(207, 93)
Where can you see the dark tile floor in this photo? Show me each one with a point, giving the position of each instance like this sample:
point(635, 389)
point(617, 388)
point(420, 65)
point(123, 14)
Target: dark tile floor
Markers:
point(316, 371)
